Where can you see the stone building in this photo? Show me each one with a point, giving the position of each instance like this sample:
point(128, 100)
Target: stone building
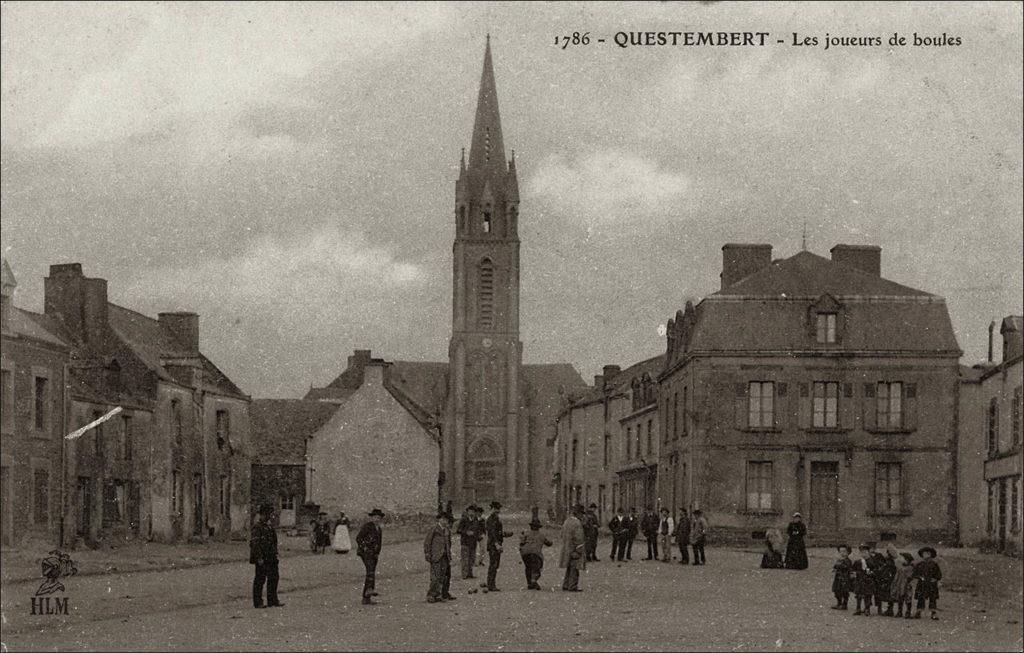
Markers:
point(991, 407)
point(33, 420)
point(813, 385)
point(280, 430)
point(606, 442)
point(174, 463)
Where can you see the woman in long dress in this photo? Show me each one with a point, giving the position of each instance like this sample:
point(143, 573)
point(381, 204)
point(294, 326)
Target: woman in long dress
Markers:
point(342, 541)
point(796, 550)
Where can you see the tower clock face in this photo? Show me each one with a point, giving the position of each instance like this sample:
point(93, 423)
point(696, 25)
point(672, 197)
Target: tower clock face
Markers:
point(486, 342)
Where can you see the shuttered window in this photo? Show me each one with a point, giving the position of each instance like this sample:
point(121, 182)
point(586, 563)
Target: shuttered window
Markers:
point(761, 404)
point(889, 405)
point(826, 405)
point(485, 308)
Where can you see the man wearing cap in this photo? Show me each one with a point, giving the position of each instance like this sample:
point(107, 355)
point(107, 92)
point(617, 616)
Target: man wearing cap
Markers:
point(572, 558)
point(369, 542)
point(263, 554)
point(495, 536)
point(437, 549)
point(471, 531)
point(698, 531)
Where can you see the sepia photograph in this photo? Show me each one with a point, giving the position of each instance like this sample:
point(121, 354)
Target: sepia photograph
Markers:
point(712, 312)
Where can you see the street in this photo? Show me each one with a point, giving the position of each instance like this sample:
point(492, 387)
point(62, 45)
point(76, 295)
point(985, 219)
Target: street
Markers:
point(729, 604)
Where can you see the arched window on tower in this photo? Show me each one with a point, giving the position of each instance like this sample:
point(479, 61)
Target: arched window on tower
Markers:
point(485, 298)
point(487, 219)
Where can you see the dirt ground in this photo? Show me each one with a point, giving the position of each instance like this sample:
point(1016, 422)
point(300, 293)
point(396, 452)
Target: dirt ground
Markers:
point(729, 604)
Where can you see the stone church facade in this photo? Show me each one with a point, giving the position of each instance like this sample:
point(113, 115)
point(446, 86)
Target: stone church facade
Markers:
point(496, 416)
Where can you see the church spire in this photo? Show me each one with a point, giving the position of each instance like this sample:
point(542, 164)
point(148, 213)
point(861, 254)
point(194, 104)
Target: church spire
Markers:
point(487, 151)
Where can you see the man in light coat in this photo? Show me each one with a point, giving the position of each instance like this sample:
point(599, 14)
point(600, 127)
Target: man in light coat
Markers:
point(666, 527)
point(572, 555)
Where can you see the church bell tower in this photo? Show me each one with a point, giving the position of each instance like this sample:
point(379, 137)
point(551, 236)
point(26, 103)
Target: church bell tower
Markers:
point(481, 439)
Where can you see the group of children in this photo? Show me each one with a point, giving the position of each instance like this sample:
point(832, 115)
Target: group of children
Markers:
point(891, 577)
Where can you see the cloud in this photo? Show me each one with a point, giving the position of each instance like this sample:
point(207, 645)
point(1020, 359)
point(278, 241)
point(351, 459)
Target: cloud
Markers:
point(609, 186)
point(329, 266)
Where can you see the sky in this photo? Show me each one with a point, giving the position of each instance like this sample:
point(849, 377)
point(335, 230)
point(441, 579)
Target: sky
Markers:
point(287, 171)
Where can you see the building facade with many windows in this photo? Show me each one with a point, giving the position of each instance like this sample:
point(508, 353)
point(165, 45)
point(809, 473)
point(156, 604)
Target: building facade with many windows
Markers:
point(991, 432)
point(812, 385)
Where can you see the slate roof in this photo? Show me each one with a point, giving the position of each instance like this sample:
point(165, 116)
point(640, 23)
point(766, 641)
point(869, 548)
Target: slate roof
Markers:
point(806, 274)
point(768, 311)
point(149, 341)
point(36, 326)
point(426, 383)
point(279, 428)
point(622, 381)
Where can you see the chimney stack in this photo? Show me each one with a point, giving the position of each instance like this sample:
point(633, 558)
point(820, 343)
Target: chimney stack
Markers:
point(7, 285)
point(609, 372)
point(185, 327)
point(1013, 337)
point(867, 258)
point(599, 381)
point(741, 260)
point(78, 301)
point(991, 331)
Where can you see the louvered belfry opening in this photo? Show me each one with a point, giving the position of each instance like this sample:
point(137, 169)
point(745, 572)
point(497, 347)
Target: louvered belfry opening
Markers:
point(486, 312)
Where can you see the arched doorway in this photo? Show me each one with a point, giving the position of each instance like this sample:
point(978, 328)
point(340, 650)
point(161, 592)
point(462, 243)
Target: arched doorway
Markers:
point(484, 471)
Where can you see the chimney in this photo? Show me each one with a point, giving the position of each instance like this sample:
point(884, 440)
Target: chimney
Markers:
point(185, 327)
point(863, 257)
point(609, 371)
point(357, 363)
point(599, 381)
point(373, 373)
point(1013, 337)
point(7, 285)
point(742, 260)
point(991, 331)
point(79, 302)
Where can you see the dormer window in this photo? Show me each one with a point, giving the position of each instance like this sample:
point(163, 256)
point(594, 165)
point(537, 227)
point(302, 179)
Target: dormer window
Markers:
point(826, 328)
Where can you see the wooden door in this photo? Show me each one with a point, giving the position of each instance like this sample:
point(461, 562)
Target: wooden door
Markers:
point(824, 517)
point(485, 480)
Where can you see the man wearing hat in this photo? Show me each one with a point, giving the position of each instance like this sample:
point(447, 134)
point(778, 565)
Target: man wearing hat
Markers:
point(369, 541)
point(698, 532)
point(495, 536)
point(471, 531)
point(437, 549)
point(263, 554)
point(531, 548)
point(573, 557)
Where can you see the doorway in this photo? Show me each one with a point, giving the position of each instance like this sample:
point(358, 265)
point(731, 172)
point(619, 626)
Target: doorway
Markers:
point(824, 517)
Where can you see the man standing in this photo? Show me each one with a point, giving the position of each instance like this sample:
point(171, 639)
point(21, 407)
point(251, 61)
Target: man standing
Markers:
point(632, 528)
point(666, 526)
point(618, 528)
point(698, 530)
point(369, 541)
point(591, 525)
point(531, 548)
point(437, 549)
point(649, 526)
point(572, 555)
point(683, 537)
point(495, 536)
point(471, 531)
point(263, 554)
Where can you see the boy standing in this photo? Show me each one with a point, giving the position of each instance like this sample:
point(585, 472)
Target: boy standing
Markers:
point(863, 583)
point(531, 547)
point(929, 578)
point(842, 570)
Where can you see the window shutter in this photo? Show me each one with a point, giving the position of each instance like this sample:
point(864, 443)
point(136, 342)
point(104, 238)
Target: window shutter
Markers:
point(910, 406)
point(778, 406)
point(846, 407)
point(740, 404)
point(804, 416)
point(782, 389)
point(874, 492)
point(904, 502)
point(869, 416)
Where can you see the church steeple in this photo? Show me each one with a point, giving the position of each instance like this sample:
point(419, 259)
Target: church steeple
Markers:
point(487, 151)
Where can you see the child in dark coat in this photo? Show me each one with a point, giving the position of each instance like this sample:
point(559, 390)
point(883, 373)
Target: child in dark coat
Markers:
point(903, 584)
point(929, 577)
point(863, 581)
point(885, 572)
point(842, 571)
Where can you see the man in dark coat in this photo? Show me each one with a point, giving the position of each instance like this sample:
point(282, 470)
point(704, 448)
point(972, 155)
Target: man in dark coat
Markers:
point(369, 541)
point(437, 549)
point(649, 526)
point(471, 531)
point(495, 536)
point(929, 578)
point(682, 535)
point(591, 526)
point(632, 528)
point(617, 526)
point(263, 554)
